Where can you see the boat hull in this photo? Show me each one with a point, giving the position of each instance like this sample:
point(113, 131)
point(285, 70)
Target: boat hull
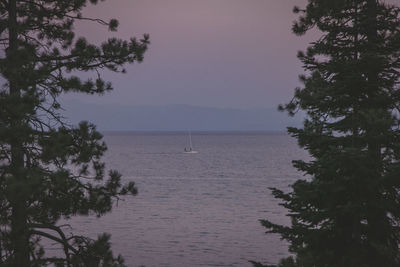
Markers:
point(190, 152)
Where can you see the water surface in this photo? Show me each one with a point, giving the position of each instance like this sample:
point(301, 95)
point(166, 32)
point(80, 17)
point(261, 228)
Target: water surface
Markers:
point(197, 209)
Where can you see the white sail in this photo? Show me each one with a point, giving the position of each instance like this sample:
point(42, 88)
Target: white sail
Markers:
point(190, 150)
point(190, 141)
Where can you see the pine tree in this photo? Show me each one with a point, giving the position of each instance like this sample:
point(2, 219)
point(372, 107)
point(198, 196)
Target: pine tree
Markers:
point(346, 212)
point(49, 170)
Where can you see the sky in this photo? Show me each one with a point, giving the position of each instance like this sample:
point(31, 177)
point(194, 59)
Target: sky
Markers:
point(211, 53)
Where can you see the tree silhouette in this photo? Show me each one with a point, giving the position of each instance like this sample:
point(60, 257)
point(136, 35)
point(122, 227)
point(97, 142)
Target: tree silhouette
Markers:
point(49, 170)
point(346, 212)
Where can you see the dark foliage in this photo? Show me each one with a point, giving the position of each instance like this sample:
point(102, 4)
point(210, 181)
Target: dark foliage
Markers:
point(49, 170)
point(346, 212)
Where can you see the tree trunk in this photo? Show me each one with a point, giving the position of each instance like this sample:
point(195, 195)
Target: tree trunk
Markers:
point(378, 231)
point(19, 229)
point(372, 75)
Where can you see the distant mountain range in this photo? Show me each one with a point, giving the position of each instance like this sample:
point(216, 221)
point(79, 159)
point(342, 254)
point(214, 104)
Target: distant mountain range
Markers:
point(177, 118)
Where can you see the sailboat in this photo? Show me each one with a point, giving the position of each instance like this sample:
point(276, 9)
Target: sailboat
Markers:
point(190, 150)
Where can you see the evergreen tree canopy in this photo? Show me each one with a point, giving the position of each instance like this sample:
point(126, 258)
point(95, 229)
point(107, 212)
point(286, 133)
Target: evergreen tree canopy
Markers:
point(346, 212)
point(49, 170)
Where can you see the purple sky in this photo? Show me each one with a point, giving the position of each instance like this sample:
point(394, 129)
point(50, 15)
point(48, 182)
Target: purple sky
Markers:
point(216, 53)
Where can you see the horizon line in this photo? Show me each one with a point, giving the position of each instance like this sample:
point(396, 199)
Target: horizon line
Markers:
point(195, 131)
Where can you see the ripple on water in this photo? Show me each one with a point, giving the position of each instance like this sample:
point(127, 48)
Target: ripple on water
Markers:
point(201, 209)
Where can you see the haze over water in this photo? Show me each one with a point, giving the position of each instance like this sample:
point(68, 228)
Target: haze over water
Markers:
point(197, 209)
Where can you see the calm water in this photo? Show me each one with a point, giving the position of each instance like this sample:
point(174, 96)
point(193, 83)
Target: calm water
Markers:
point(197, 209)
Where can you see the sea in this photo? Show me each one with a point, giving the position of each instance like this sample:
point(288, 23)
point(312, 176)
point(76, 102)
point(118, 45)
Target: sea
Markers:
point(199, 209)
